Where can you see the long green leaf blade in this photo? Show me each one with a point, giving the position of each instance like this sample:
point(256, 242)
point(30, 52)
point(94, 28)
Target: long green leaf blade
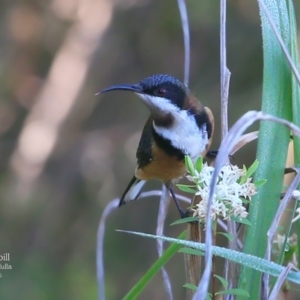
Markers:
point(155, 268)
point(253, 262)
point(295, 95)
point(271, 154)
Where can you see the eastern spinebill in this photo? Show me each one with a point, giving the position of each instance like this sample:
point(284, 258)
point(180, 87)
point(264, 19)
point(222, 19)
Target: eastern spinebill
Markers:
point(178, 125)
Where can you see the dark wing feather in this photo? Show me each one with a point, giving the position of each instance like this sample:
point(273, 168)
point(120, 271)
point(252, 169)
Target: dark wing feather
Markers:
point(144, 157)
point(144, 150)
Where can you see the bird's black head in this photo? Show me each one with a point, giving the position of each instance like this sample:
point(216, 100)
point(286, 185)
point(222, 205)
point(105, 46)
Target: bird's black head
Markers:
point(165, 86)
point(156, 90)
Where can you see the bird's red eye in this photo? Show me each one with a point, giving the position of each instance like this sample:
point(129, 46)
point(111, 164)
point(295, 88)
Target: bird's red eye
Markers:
point(161, 92)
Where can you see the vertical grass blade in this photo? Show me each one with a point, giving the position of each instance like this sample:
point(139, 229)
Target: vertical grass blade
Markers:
point(295, 95)
point(273, 140)
point(295, 84)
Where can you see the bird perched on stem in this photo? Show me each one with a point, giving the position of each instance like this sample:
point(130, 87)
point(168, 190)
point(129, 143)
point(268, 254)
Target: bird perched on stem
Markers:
point(178, 125)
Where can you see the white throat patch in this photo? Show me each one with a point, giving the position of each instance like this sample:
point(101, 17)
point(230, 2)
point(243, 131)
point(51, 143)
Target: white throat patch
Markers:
point(184, 133)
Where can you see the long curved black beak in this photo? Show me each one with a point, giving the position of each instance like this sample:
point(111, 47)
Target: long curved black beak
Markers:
point(136, 88)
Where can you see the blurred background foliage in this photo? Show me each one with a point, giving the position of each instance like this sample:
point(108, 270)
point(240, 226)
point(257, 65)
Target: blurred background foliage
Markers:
point(64, 153)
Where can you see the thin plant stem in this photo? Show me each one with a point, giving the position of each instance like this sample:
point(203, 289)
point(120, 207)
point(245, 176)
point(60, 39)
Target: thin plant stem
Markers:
point(230, 269)
point(162, 214)
point(225, 74)
point(186, 39)
point(213, 278)
point(100, 241)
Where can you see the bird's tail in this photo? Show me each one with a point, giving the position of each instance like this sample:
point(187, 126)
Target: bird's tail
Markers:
point(132, 191)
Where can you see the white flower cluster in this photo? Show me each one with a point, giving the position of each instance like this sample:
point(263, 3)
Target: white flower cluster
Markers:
point(229, 195)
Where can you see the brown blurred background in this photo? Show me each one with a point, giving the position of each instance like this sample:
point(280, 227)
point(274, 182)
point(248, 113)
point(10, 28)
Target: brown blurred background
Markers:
point(64, 153)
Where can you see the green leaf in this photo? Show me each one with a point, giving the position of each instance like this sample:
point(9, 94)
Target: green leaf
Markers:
point(260, 183)
point(189, 165)
point(222, 280)
point(295, 84)
point(190, 286)
point(236, 292)
point(277, 101)
point(199, 164)
point(245, 201)
point(144, 281)
point(243, 179)
point(295, 95)
point(252, 168)
point(185, 188)
point(208, 297)
point(240, 220)
point(227, 235)
point(247, 260)
point(185, 220)
point(249, 172)
point(191, 251)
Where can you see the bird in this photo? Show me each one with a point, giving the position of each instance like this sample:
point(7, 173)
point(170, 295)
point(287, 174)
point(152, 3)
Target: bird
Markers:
point(178, 125)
